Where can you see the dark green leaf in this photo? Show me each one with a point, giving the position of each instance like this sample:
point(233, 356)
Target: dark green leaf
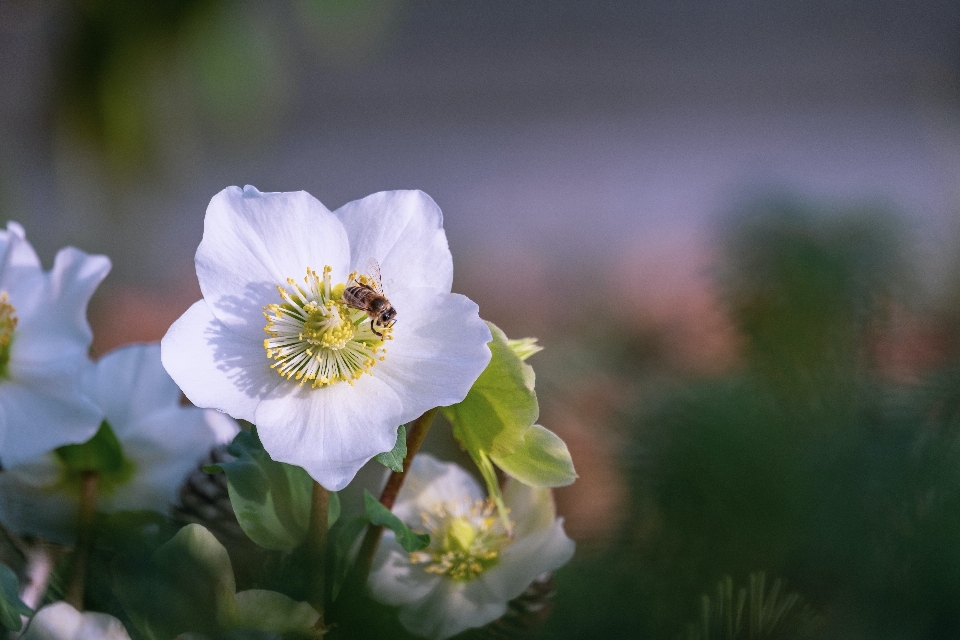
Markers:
point(11, 606)
point(342, 538)
point(393, 459)
point(381, 516)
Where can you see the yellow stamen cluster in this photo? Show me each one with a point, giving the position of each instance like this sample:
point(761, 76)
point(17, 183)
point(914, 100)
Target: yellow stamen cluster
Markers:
point(8, 322)
point(316, 337)
point(465, 540)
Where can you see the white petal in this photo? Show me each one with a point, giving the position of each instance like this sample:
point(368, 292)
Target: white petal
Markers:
point(431, 482)
point(329, 431)
point(52, 309)
point(254, 241)
point(21, 253)
point(30, 503)
point(165, 447)
point(531, 509)
point(403, 231)
point(129, 382)
point(60, 621)
point(216, 367)
point(41, 414)
point(438, 351)
point(451, 608)
point(521, 562)
point(394, 580)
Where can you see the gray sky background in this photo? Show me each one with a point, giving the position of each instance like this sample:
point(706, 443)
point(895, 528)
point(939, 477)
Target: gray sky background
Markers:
point(556, 134)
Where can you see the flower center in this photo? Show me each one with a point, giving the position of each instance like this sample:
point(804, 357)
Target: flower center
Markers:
point(316, 336)
point(8, 322)
point(464, 541)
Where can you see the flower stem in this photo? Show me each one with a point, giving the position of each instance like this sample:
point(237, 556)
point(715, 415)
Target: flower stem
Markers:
point(81, 556)
point(416, 434)
point(317, 550)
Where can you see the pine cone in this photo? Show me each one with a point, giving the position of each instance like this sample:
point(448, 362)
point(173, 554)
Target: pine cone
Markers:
point(526, 614)
point(204, 500)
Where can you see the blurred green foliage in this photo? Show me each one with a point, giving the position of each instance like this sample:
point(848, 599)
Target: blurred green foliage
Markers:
point(134, 72)
point(807, 462)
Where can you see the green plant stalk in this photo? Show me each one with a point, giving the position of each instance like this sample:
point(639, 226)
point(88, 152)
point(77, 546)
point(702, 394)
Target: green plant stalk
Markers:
point(317, 550)
point(86, 515)
point(415, 436)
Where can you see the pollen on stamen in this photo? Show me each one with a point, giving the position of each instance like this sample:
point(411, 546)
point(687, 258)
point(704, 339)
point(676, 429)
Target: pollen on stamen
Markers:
point(316, 337)
point(464, 541)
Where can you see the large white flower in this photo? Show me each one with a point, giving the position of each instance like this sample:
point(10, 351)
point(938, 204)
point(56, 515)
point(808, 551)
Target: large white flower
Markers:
point(472, 567)
point(44, 338)
point(60, 621)
point(161, 442)
point(326, 391)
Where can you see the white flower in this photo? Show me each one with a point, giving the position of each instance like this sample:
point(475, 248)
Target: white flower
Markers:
point(44, 338)
point(325, 391)
point(60, 621)
point(161, 442)
point(472, 567)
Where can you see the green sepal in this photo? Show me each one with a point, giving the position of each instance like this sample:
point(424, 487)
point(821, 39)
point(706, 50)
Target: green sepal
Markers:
point(500, 406)
point(101, 454)
point(495, 422)
point(381, 516)
point(11, 606)
point(543, 460)
point(271, 499)
point(393, 459)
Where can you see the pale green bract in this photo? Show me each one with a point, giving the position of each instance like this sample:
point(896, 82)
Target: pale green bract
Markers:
point(495, 424)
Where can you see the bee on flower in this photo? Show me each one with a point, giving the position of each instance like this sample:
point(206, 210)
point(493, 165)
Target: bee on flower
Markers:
point(473, 565)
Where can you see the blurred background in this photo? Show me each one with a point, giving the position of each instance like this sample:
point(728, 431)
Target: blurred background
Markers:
point(734, 225)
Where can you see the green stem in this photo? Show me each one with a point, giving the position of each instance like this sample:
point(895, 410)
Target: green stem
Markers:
point(85, 520)
point(317, 550)
point(415, 436)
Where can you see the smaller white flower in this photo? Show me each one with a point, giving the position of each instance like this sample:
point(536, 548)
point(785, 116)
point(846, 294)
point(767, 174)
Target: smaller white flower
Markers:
point(162, 442)
point(60, 621)
point(472, 567)
point(44, 339)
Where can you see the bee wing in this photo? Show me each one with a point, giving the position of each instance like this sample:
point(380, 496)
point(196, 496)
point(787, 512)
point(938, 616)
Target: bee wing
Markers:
point(373, 272)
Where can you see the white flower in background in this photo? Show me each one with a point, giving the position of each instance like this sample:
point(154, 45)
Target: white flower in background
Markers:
point(44, 339)
point(161, 443)
point(60, 621)
point(472, 567)
point(326, 392)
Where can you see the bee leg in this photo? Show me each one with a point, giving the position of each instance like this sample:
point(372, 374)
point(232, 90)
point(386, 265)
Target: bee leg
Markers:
point(373, 327)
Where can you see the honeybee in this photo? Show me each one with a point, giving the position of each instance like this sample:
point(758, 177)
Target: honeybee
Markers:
point(367, 295)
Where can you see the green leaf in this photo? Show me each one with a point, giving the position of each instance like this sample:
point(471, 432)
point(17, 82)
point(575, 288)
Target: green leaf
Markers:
point(342, 538)
point(333, 511)
point(500, 406)
point(541, 461)
point(271, 499)
point(381, 516)
point(393, 459)
point(189, 586)
point(271, 611)
point(11, 606)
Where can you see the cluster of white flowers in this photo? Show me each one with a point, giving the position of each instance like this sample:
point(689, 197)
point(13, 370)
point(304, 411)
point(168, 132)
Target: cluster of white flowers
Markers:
point(296, 334)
